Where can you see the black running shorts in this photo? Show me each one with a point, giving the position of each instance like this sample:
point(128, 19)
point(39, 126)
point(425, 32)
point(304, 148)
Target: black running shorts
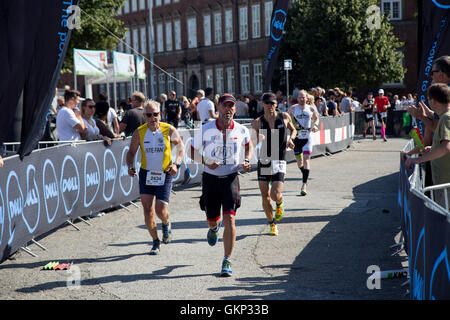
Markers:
point(220, 192)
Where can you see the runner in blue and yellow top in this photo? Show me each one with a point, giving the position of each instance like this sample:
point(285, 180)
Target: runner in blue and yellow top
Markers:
point(155, 139)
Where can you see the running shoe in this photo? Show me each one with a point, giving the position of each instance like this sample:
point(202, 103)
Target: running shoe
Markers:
point(155, 248)
point(384, 138)
point(279, 211)
point(167, 232)
point(374, 138)
point(226, 268)
point(212, 236)
point(303, 190)
point(273, 229)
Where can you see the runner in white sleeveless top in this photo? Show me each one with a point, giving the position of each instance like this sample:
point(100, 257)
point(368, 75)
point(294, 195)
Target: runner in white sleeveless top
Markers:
point(306, 120)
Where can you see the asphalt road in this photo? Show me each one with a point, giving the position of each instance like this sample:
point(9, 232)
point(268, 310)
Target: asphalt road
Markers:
point(326, 242)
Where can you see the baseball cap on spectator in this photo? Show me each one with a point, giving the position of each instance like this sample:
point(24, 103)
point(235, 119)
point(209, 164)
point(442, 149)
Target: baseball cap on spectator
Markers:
point(380, 91)
point(226, 97)
point(269, 98)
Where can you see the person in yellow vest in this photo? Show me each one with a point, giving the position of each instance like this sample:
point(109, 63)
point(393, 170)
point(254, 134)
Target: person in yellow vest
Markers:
point(155, 139)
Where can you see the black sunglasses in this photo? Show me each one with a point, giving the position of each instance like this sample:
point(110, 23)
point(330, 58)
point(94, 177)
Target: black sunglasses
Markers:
point(149, 115)
point(433, 71)
point(91, 107)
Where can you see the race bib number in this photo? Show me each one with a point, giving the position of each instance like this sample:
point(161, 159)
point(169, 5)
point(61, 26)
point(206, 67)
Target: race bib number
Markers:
point(155, 178)
point(383, 114)
point(278, 166)
point(303, 134)
point(369, 116)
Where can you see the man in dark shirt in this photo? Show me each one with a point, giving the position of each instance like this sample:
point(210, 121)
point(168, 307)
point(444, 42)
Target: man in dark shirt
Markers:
point(172, 109)
point(331, 105)
point(134, 117)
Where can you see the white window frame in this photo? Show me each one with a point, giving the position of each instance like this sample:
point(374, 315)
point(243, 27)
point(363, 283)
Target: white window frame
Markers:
point(243, 23)
point(177, 33)
point(162, 83)
point(160, 37)
point(268, 8)
point(143, 38)
point(142, 4)
point(192, 32)
point(220, 81)
point(391, 8)
point(228, 25)
point(207, 30)
point(256, 21)
point(230, 80)
point(217, 27)
point(168, 29)
point(257, 78)
point(209, 80)
point(245, 78)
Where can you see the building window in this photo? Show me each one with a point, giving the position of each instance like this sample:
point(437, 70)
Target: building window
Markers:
point(157, 3)
point(268, 8)
point(207, 29)
point(143, 41)
point(257, 77)
point(134, 5)
point(142, 4)
point(218, 28)
point(256, 21)
point(169, 36)
point(245, 78)
point(153, 84)
point(243, 23)
point(228, 26)
point(151, 37)
point(192, 32)
point(135, 40)
point(166, 1)
point(177, 33)
point(392, 8)
point(209, 78)
point(162, 83)
point(179, 84)
point(219, 81)
point(170, 82)
point(128, 41)
point(160, 38)
point(230, 80)
point(126, 7)
point(176, 1)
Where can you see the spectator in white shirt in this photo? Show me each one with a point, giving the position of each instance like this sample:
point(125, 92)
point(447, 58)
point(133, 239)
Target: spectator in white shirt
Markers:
point(69, 123)
point(205, 107)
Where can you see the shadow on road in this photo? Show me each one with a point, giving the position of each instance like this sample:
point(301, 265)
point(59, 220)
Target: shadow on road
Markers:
point(334, 263)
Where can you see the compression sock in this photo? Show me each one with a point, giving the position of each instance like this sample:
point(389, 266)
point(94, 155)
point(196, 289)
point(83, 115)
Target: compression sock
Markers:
point(383, 132)
point(305, 175)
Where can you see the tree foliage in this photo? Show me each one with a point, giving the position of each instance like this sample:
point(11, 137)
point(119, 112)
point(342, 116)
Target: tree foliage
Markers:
point(331, 45)
point(96, 16)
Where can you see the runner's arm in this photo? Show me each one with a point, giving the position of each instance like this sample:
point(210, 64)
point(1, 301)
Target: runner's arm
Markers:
point(134, 145)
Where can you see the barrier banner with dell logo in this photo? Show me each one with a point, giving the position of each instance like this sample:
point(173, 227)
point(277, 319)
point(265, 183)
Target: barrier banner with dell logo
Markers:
point(277, 25)
point(34, 37)
point(427, 240)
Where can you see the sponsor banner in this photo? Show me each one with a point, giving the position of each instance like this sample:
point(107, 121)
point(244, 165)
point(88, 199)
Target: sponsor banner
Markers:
point(55, 184)
point(427, 241)
point(34, 40)
point(124, 65)
point(140, 67)
point(277, 25)
point(90, 62)
point(434, 32)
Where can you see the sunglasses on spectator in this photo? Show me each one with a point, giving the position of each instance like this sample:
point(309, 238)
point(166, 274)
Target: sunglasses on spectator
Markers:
point(433, 71)
point(154, 114)
point(91, 107)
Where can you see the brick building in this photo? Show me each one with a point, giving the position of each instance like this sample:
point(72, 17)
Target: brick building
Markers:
point(223, 44)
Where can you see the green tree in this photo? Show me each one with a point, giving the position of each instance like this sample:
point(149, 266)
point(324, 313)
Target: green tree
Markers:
point(332, 45)
point(97, 29)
